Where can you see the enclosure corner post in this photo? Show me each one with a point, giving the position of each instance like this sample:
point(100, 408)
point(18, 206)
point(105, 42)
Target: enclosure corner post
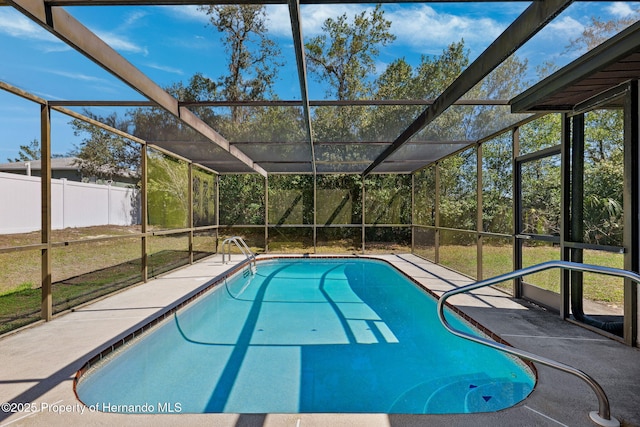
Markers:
point(631, 206)
point(363, 215)
point(517, 212)
point(413, 212)
point(45, 185)
point(266, 214)
point(479, 207)
point(436, 256)
point(190, 209)
point(144, 271)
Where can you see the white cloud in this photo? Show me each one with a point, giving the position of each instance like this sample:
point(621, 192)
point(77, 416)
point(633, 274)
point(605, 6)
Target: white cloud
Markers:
point(313, 16)
point(188, 13)
point(134, 17)
point(278, 21)
point(77, 76)
point(429, 31)
point(164, 68)
point(14, 24)
point(620, 10)
point(420, 27)
point(565, 28)
point(120, 43)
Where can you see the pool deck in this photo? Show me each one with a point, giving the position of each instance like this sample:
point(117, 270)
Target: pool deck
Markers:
point(38, 363)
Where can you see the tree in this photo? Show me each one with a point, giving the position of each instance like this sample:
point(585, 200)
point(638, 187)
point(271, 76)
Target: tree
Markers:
point(30, 152)
point(344, 57)
point(541, 189)
point(401, 81)
point(104, 154)
point(599, 31)
point(603, 177)
point(603, 163)
point(168, 188)
point(242, 199)
point(252, 57)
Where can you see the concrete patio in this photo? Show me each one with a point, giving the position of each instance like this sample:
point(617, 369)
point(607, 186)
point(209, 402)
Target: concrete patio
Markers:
point(38, 363)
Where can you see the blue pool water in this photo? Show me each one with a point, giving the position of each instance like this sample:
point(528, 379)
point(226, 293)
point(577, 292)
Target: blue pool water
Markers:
point(307, 335)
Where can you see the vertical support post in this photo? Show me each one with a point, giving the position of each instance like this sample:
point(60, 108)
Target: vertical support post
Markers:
point(436, 256)
point(479, 224)
point(45, 213)
point(217, 211)
point(190, 209)
point(266, 214)
point(565, 222)
point(364, 209)
point(144, 214)
point(517, 211)
point(413, 211)
point(631, 202)
point(315, 228)
point(577, 210)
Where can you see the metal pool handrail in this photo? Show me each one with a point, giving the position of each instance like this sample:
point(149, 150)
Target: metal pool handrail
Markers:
point(240, 243)
point(603, 415)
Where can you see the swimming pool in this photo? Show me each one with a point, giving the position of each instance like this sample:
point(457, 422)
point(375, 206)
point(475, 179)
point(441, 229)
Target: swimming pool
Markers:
point(324, 335)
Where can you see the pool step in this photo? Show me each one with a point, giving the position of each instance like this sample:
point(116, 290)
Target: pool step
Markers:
point(495, 395)
point(437, 396)
point(464, 394)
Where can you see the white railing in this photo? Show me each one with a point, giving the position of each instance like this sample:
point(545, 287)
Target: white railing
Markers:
point(240, 243)
point(603, 415)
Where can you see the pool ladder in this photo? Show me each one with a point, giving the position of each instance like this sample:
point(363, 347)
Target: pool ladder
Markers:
point(240, 243)
point(603, 415)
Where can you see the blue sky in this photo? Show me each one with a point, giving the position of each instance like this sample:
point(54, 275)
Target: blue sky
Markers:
point(172, 43)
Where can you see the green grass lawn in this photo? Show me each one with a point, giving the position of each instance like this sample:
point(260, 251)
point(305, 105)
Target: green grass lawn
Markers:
point(498, 260)
point(81, 272)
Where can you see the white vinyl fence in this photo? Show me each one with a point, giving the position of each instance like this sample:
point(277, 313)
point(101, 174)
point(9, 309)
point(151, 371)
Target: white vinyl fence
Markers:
point(73, 204)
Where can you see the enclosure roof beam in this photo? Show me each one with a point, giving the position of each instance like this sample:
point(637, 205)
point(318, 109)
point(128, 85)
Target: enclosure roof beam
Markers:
point(532, 20)
point(99, 124)
point(276, 103)
point(224, 2)
point(64, 26)
point(296, 28)
point(22, 93)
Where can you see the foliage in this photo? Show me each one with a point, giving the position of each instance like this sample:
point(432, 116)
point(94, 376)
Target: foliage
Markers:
point(104, 154)
point(204, 198)
point(28, 152)
point(388, 199)
point(458, 202)
point(251, 55)
point(598, 31)
point(603, 177)
point(497, 185)
point(291, 199)
point(343, 58)
point(401, 81)
point(339, 199)
point(31, 152)
point(541, 178)
point(424, 197)
point(168, 191)
point(242, 200)
point(344, 55)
